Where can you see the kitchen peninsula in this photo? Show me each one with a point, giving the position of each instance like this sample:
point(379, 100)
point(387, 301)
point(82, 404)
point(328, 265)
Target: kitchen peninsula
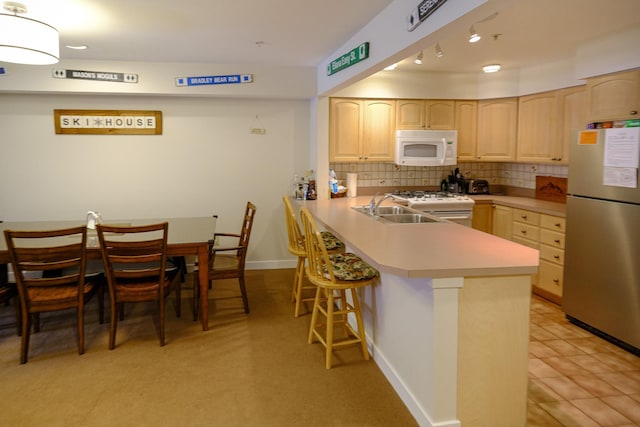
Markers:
point(448, 320)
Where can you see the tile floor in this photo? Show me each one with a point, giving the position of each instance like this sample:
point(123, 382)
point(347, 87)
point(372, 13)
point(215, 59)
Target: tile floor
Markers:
point(577, 379)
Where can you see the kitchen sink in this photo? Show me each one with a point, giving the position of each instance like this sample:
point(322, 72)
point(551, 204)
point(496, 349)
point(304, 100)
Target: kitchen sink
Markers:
point(384, 210)
point(392, 210)
point(407, 218)
point(397, 214)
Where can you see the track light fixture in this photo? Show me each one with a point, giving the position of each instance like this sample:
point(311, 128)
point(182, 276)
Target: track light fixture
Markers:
point(391, 67)
point(418, 59)
point(439, 52)
point(474, 36)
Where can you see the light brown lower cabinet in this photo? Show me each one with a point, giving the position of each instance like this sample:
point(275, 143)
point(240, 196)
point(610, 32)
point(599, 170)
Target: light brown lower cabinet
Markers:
point(483, 216)
point(550, 274)
point(533, 229)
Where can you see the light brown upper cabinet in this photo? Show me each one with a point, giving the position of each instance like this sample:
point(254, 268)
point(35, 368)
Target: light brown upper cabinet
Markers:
point(466, 123)
point(425, 114)
point(537, 127)
point(614, 96)
point(497, 129)
point(361, 130)
point(572, 118)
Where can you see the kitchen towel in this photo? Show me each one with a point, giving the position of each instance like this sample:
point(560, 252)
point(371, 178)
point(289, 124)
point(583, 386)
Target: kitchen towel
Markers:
point(352, 184)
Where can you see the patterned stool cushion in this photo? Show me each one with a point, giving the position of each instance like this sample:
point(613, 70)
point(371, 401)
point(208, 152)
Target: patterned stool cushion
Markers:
point(348, 266)
point(331, 242)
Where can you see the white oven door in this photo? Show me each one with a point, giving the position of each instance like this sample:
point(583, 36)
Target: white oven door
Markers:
point(460, 217)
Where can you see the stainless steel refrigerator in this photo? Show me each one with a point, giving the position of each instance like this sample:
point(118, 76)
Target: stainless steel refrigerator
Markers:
point(602, 254)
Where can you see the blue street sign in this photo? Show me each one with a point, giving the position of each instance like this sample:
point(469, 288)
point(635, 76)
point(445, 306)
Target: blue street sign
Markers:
point(214, 80)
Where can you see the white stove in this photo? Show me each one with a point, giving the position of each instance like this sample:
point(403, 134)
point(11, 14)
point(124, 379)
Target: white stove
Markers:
point(450, 206)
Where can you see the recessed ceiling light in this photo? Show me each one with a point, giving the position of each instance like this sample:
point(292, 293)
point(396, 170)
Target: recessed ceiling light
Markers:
point(391, 67)
point(418, 59)
point(76, 46)
point(491, 68)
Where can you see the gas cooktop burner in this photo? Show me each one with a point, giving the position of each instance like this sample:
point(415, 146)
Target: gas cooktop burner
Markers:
point(420, 194)
point(433, 200)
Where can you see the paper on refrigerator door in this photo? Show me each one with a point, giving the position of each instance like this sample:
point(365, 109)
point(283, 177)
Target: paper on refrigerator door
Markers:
point(621, 157)
point(622, 147)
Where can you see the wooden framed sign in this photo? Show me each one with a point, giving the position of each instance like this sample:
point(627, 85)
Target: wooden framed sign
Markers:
point(108, 122)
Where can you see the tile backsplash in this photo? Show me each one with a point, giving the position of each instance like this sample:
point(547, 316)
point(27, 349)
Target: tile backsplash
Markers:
point(521, 175)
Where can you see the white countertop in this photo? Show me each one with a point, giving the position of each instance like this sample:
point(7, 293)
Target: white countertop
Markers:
point(434, 250)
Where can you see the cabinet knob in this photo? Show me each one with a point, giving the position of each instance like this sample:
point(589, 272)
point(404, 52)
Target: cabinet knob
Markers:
point(557, 241)
point(556, 256)
point(523, 231)
point(633, 112)
point(524, 217)
point(556, 281)
point(557, 224)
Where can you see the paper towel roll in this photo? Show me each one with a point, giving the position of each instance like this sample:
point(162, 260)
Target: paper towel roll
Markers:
point(352, 184)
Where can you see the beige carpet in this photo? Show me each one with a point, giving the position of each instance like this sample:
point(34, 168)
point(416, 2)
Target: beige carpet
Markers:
point(247, 370)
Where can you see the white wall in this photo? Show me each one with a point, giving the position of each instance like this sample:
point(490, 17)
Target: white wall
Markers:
point(391, 42)
point(205, 162)
point(160, 79)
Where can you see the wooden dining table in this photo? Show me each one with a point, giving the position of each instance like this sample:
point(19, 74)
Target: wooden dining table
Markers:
point(186, 237)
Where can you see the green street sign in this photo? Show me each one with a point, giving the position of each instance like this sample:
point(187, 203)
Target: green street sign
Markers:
point(348, 59)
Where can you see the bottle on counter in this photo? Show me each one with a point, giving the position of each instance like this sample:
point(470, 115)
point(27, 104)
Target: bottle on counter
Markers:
point(333, 181)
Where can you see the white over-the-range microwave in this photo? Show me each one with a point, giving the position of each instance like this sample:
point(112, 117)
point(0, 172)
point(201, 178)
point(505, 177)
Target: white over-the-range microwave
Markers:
point(426, 147)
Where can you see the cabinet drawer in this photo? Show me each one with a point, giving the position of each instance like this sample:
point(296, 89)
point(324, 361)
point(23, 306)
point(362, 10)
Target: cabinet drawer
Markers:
point(527, 217)
point(552, 238)
point(550, 277)
point(552, 222)
point(526, 242)
point(552, 254)
point(526, 231)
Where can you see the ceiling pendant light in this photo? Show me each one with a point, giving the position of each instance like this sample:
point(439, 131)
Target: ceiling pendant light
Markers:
point(474, 36)
point(491, 68)
point(25, 40)
point(418, 59)
point(439, 52)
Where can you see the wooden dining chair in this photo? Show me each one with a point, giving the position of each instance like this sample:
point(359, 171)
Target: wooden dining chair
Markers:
point(135, 263)
point(227, 261)
point(49, 269)
point(334, 275)
point(297, 248)
point(9, 294)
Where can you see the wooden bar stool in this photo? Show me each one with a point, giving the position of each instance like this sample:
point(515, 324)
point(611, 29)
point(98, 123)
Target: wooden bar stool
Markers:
point(297, 248)
point(334, 273)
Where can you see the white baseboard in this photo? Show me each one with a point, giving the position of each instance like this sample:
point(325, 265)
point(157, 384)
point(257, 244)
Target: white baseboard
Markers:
point(261, 265)
point(271, 265)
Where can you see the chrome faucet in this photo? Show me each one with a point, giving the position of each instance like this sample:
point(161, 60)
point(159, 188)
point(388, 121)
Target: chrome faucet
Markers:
point(373, 205)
